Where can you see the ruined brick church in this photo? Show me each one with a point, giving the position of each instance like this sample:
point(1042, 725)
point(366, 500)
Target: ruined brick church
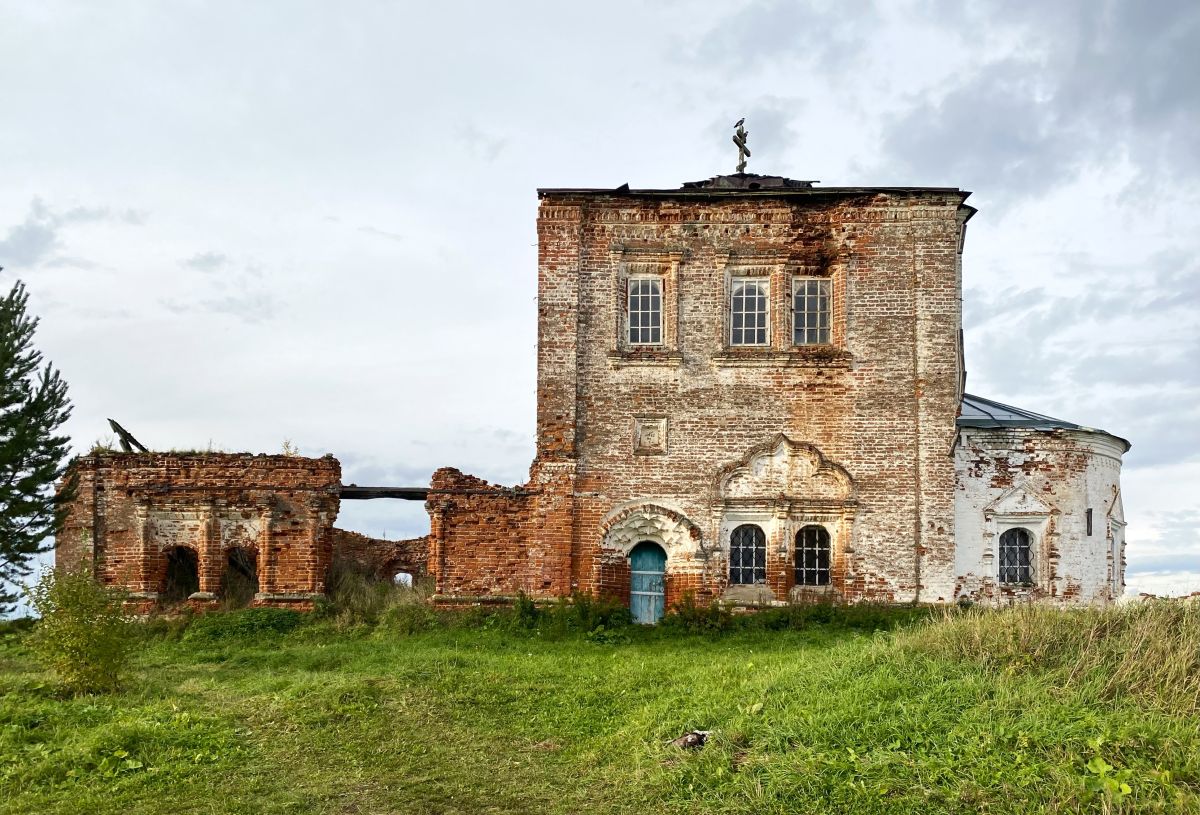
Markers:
point(750, 389)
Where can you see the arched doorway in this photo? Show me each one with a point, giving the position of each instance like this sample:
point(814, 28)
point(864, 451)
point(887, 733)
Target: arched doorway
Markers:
point(647, 566)
point(239, 579)
point(183, 575)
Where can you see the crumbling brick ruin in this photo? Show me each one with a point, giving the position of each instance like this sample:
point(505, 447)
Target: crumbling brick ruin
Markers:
point(383, 558)
point(750, 389)
point(171, 526)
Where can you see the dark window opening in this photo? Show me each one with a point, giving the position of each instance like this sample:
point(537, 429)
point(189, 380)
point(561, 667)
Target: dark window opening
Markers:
point(183, 575)
point(239, 581)
point(812, 556)
point(747, 555)
point(1015, 564)
point(1089, 521)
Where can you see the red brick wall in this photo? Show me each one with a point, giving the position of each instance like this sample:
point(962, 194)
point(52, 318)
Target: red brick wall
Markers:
point(478, 537)
point(880, 404)
point(131, 509)
point(385, 558)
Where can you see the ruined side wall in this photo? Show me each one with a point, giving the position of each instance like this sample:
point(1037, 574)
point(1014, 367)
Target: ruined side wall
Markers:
point(131, 509)
point(384, 558)
point(1045, 482)
point(491, 541)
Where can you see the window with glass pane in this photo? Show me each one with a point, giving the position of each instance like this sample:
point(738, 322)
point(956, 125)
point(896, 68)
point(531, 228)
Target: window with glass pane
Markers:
point(812, 556)
point(748, 313)
point(747, 555)
point(1015, 565)
point(810, 311)
point(645, 311)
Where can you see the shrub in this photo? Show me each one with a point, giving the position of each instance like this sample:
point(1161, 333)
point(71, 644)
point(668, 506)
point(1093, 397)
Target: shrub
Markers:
point(525, 613)
point(84, 635)
point(580, 613)
point(251, 623)
point(687, 616)
point(605, 636)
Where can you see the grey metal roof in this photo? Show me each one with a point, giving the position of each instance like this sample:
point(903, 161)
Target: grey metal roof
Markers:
point(979, 412)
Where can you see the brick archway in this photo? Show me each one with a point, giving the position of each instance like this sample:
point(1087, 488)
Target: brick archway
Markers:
point(630, 524)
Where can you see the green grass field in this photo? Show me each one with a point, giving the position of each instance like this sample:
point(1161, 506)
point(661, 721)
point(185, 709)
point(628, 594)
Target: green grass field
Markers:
point(1013, 712)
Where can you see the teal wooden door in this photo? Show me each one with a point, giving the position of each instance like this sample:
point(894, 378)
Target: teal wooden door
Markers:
point(647, 563)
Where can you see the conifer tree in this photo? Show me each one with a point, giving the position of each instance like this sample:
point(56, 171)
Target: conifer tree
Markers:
point(33, 406)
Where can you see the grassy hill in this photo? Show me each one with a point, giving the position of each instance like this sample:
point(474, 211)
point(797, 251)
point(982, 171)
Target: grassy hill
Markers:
point(810, 711)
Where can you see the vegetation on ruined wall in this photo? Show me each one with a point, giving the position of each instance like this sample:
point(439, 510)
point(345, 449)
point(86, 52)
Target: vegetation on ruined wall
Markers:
point(267, 711)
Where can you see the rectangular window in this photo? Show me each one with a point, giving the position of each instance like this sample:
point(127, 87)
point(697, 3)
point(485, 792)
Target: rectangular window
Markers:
point(748, 311)
point(810, 311)
point(645, 311)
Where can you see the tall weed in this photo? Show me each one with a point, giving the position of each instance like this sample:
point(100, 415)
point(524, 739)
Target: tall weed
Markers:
point(580, 613)
point(357, 595)
point(251, 623)
point(1149, 649)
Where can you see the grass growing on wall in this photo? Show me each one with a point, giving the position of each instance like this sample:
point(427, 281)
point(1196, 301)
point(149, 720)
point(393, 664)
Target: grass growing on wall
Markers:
point(822, 710)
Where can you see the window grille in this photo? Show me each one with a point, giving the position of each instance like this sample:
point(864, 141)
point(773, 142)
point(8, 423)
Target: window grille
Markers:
point(748, 315)
point(812, 556)
point(747, 555)
point(810, 311)
point(1015, 565)
point(645, 311)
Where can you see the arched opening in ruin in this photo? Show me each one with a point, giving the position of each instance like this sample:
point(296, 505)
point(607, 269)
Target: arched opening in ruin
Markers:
point(182, 576)
point(239, 579)
point(402, 579)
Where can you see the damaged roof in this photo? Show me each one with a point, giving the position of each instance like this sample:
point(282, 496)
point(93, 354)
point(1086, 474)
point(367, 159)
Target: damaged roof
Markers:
point(744, 184)
point(979, 412)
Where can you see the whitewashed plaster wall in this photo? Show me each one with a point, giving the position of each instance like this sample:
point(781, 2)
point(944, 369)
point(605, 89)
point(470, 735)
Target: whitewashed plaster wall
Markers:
point(1044, 482)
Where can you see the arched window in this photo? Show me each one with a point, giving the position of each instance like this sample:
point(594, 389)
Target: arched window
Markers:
point(239, 578)
point(1015, 563)
point(812, 556)
point(182, 577)
point(747, 555)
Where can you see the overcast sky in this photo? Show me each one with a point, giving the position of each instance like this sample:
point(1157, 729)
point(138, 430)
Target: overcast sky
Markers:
point(242, 223)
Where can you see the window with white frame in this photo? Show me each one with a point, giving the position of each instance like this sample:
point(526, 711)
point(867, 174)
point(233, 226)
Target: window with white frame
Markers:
point(1016, 564)
point(645, 311)
point(749, 315)
point(747, 555)
point(810, 311)
point(812, 556)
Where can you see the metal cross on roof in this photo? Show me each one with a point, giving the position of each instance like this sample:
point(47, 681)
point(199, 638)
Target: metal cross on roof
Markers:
point(739, 138)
